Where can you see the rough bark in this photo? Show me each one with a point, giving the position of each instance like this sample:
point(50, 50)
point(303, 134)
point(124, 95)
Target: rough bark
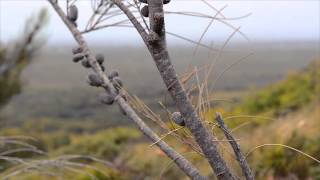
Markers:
point(159, 52)
point(180, 161)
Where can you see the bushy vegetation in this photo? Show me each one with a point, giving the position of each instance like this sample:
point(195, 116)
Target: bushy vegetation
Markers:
point(123, 146)
point(286, 150)
point(283, 162)
point(105, 144)
point(10, 81)
point(281, 121)
point(289, 95)
point(14, 58)
point(126, 148)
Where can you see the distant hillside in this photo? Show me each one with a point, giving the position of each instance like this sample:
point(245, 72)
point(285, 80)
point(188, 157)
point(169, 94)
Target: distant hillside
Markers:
point(56, 88)
point(295, 92)
point(279, 148)
point(269, 63)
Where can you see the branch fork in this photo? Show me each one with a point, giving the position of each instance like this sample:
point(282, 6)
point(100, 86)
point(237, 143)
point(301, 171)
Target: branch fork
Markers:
point(180, 161)
point(155, 41)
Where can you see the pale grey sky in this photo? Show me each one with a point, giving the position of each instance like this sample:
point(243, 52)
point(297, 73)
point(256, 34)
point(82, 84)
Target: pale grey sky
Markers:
point(270, 20)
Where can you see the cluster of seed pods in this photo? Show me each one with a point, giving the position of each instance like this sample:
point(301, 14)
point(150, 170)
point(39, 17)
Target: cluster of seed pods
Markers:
point(145, 9)
point(78, 55)
point(95, 80)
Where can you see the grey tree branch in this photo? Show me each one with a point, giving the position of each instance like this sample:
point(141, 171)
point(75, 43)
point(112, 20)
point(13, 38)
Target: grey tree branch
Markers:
point(159, 52)
point(181, 162)
point(236, 148)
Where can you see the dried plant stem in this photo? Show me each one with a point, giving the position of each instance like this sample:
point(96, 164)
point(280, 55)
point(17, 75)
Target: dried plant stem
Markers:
point(236, 148)
point(284, 146)
point(181, 162)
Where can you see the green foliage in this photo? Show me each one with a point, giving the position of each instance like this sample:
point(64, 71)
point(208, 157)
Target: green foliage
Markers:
point(99, 175)
point(55, 140)
point(283, 162)
point(14, 59)
point(9, 83)
point(149, 162)
point(105, 144)
point(289, 95)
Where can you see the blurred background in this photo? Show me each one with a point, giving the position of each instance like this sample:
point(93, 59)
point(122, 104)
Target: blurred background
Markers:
point(265, 77)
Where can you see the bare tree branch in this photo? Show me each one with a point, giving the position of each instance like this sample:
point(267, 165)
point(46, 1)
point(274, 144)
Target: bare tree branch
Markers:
point(181, 162)
point(159, 52)
point(236, 148)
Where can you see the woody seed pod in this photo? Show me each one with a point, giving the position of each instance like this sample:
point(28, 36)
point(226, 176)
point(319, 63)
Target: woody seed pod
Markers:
point(77, 57)
point(100, 58)
point(145, 11)
point(85, 63)
point(106, 99)
point(116, 81)
point(73, 13)
point(77, 50)
point(166, 1)
point(94, 80)
point(113, 74)
point(178, 119)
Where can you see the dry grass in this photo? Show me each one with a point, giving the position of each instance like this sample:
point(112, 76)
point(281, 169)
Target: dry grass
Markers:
point(306, 122)
point(43, 165)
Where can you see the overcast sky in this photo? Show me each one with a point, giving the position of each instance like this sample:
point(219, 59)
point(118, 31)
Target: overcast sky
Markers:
point(269, 20)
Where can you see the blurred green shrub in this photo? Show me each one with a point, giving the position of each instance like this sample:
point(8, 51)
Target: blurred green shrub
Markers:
point(283, 162)
point(16, 56)
point(98, 175)
point(105, 144)
point(291, 94)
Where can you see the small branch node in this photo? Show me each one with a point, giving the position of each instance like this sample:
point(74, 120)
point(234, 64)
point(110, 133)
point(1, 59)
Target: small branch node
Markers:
point(153, 37)
point(158, 22)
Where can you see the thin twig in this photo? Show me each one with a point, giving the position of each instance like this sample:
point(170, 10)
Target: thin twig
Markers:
point(285, 146)
point(236, 148)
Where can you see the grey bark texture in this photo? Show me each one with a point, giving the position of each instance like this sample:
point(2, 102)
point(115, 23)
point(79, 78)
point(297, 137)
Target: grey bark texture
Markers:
point(159, 52)
point(180, 161)
point(236, 148)
point(160, 55)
